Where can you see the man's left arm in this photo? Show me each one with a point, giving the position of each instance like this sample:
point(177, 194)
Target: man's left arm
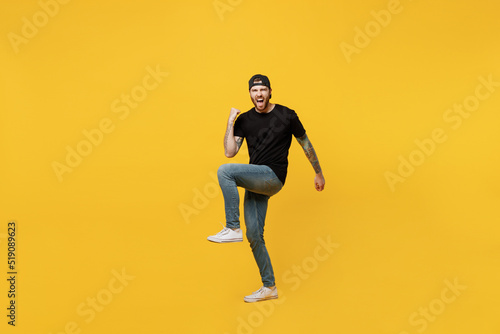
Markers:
point(319, 180)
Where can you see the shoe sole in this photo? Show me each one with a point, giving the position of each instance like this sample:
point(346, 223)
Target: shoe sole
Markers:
point(259, 300)
point(225, 241)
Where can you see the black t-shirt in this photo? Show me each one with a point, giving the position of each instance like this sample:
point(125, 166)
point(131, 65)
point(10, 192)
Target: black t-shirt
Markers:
point(269, 136)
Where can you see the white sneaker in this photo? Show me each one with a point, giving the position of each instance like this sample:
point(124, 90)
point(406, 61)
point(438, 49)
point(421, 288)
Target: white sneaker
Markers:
point(262, 294)
point(227, 235)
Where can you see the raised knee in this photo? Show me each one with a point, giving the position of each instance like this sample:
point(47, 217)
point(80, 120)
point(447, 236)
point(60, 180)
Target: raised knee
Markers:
point(223, 170)
point(226, 171)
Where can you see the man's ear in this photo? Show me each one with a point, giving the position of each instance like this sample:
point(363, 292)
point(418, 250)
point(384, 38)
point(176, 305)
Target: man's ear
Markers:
point(270, 93)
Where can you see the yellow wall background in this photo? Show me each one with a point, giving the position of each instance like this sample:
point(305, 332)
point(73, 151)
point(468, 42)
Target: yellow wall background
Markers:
point(369, 79)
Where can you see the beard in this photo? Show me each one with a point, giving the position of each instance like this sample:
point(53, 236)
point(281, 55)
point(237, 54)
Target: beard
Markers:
point(261, 106)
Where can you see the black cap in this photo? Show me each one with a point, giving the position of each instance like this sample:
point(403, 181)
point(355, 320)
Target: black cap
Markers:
point(264, 81)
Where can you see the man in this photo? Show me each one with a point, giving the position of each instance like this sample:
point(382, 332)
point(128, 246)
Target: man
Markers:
point(268, 128)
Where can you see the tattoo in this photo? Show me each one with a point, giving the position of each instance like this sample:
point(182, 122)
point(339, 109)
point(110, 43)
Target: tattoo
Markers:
point(228, 130)
point(310, 153)
point(239, 141)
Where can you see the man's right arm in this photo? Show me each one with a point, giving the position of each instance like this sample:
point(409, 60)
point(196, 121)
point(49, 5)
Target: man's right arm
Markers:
point(232, 143)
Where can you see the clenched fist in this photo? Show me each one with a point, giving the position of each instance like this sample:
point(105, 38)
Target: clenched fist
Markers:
point(233, 114)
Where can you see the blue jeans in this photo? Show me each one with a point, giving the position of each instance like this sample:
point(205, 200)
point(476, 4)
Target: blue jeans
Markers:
point(260, 184)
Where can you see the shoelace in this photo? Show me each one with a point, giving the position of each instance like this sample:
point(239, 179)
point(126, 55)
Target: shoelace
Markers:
point(224, 231)
point(260, 291)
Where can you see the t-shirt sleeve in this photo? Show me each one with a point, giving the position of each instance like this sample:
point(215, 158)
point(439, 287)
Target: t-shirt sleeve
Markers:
point(296, 126)
point(238, 130)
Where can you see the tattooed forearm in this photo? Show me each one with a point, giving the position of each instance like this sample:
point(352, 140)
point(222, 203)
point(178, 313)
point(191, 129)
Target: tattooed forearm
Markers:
point(310, 153)
point(226, 136)
point(232, 143)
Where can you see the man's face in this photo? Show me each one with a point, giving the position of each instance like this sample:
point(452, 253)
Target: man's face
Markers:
point(260, 96)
